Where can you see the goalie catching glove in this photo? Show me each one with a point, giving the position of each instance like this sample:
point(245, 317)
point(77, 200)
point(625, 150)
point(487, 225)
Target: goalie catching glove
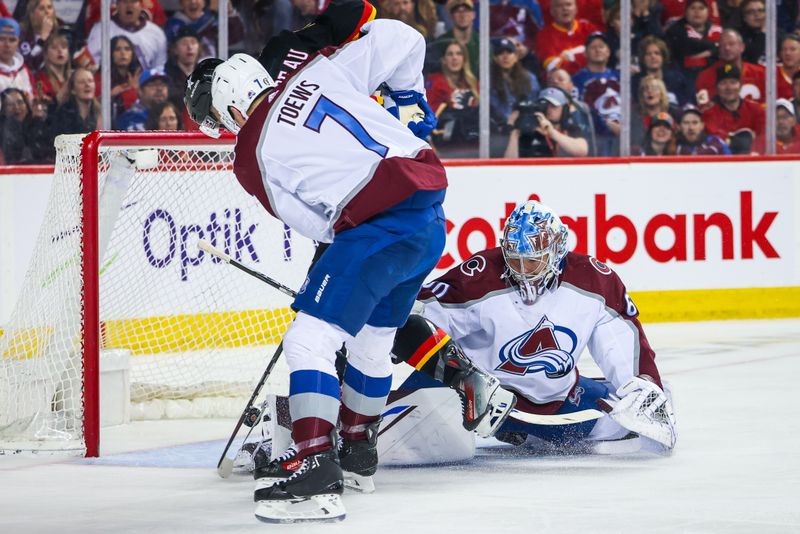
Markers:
point(643, 407)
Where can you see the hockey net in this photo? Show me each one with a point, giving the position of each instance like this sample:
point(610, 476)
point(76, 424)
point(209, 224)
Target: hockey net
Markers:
point(116, 272)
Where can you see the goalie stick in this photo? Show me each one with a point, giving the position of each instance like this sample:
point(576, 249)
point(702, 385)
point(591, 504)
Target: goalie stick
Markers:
point(557, 419)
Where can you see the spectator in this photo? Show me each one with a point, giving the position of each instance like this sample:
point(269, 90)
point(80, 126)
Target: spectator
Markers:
point(787, 135)
point(729, 14)
point(693, 140)
point(580, 113)
point(591, 10)
point(183, 57)
point(796, 94)
point(598, 53)
point(164, 116)
point(693, 39)
point(51, 81)
point(561, 43)
point(653, 100)
point(23, 131)
point(419, 14)
point(602, 95)
point(463, 15)
point(789, 55)
point(660, 138)
point(645, 17)
point(673, 10)
point(453, 96)
point(39, 23)
point(654, 61)
point(753, 30)
point(13, 71)
point(81, 112)
point(149, 41)
point(511, 82)
point(738, 121)
point(731, 48)
point(545, 129)
point(125, 72)
point(153, 90)
point(196, 15)
point(151, 8)
point(518, 19)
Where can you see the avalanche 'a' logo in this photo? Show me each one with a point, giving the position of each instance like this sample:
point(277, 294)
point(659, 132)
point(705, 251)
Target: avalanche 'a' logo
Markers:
point(547, 348)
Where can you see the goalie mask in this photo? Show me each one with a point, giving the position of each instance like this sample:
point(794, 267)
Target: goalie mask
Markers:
point(534, 243)
point(220, 85)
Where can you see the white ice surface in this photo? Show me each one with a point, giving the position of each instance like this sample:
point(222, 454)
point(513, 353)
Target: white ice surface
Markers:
point(736, 468)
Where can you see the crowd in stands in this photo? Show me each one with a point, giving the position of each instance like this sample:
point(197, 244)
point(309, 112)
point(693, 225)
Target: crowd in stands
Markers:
point(698, 84)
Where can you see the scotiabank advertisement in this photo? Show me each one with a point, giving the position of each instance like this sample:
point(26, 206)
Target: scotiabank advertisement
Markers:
point(662, 226)
point(677, 225)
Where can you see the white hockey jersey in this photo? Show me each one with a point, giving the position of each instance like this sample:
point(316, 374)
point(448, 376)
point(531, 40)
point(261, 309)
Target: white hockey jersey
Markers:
point(323, 156)
point(534, 349)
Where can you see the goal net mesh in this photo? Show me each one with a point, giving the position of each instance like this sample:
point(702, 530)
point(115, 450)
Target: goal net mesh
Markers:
point(196, 332)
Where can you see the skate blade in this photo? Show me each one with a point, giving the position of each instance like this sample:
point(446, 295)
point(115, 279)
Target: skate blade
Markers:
point(358, 483)
point(325, 508)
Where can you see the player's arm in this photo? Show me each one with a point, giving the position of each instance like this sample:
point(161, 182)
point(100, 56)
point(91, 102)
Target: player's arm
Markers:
point(391, 55)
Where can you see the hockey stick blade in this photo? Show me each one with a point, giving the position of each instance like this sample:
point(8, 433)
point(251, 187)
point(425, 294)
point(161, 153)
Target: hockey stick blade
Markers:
point(557, 419)
point(205, 246)
point(225, 467)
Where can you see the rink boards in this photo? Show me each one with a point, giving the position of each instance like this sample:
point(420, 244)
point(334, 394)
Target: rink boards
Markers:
point(692, 239)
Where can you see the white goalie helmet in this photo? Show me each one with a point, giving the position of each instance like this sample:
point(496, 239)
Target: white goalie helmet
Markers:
point(534, 244)
point(235, 83)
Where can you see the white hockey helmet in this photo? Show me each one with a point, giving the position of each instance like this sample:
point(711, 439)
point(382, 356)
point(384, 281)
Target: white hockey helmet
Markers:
point(236, 83)
point(534, 243)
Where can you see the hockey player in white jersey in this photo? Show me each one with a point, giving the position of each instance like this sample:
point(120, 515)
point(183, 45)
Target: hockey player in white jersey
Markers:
point(329, 161)
point(518, 317)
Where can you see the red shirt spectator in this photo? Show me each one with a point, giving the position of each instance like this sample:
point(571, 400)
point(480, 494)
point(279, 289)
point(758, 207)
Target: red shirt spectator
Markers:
point(591, 10)
point(152, 8)
point(561, 44)
point(738, 121)
point(674, 10)
point(753, 78)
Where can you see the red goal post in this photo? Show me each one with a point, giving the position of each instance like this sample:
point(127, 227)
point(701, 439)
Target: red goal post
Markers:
point(116, 272)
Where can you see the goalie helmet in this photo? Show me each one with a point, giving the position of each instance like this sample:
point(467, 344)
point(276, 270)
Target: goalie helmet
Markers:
point(220, 85)
point(534, 244)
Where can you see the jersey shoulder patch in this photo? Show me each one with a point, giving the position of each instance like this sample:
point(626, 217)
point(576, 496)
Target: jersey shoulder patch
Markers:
point(590, 275)
point(471, 280)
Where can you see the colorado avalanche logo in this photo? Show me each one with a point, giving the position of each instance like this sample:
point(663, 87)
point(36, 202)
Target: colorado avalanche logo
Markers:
point(546, 348)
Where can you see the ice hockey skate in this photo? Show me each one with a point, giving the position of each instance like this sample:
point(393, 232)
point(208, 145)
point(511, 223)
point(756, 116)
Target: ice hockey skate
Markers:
point(311, 494)
point(359, 460)
point(485, 404)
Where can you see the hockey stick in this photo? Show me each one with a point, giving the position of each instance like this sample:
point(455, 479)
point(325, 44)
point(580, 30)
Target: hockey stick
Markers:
point(557, 419)
point(225, 464)
point(211, 249)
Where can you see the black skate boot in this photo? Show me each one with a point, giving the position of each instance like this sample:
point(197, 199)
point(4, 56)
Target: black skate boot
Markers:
point(485, 405)
point(267, 472)
point(359, 460)
point(312, 493)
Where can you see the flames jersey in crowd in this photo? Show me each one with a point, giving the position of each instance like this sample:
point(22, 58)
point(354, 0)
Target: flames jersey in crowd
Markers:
point(323, 156)
point(534, 349)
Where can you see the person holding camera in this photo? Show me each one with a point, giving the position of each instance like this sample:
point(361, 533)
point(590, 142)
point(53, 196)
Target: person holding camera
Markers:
point(545, 129)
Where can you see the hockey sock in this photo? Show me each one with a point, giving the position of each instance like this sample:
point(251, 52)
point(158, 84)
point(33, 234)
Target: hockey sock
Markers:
point(314, 406)
point(363, 401)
